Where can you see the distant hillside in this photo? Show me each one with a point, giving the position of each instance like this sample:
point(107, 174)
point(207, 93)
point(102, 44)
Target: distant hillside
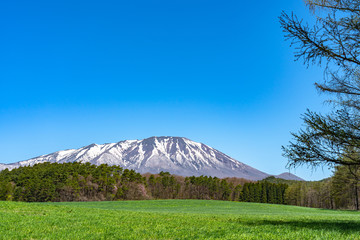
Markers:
point(289, 176)
point(274, 179)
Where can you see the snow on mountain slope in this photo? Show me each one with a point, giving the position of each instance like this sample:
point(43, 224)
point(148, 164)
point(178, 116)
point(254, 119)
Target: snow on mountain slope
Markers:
point(172, 154)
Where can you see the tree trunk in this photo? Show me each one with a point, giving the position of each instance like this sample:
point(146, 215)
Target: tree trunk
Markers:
point(356, 196)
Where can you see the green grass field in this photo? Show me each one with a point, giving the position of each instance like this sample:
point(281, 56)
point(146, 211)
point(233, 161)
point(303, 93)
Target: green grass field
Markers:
point(173, 219)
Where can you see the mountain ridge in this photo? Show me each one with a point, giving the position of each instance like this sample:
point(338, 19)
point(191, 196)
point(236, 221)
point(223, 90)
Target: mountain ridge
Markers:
point(177, 155)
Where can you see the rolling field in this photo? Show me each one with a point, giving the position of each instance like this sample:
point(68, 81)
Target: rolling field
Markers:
point(173, 219)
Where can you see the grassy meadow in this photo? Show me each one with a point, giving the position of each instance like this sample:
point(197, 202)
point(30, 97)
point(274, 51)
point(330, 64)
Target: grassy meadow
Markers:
point(173, 219)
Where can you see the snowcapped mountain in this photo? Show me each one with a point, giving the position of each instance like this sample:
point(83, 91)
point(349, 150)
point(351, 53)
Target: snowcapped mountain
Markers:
point(176, 155)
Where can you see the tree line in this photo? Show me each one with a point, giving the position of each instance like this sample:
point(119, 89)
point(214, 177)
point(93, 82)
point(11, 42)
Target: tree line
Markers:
point(341, 191)
point(51, 182)
point(165, 185)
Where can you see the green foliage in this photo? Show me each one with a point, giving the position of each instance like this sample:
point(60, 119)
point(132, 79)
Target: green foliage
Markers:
point(52, 182)
point(167, 186)
point(173, 219)
point(264, 192)
point(204, 187)
point(85, 182)
point(67, 182)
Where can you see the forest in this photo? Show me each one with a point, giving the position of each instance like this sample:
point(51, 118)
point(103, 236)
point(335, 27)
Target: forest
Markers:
point(53, 182)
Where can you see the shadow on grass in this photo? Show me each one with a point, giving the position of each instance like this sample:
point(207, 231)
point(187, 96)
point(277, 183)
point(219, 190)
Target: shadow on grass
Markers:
point(327, 225)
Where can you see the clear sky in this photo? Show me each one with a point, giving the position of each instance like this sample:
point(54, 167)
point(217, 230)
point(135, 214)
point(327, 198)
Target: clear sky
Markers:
point(75, 72)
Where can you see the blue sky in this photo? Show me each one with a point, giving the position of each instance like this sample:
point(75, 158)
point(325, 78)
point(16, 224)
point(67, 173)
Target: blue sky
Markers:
point(218, 72)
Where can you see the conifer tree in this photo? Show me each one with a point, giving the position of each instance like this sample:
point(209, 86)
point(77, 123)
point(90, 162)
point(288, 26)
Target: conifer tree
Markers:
point(334, 43)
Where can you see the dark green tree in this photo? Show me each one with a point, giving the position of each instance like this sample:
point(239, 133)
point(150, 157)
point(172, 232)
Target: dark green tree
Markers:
point(264, 192)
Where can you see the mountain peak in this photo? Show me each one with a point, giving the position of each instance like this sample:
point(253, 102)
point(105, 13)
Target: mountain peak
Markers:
point(162, 138)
